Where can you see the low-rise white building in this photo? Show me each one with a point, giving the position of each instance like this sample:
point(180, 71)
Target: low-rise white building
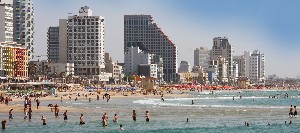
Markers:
point(133, 58)
point(115, 69)
point(60, 68)
point(148, 70)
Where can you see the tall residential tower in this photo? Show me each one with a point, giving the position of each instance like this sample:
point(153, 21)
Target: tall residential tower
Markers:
point(6, 21)
point(222, 48)
point(86, 42)
point(53, 44)
point(24, 24)
point(140, 30)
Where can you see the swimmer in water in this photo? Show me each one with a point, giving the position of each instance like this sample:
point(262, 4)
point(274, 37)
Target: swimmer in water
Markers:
point(121, 127)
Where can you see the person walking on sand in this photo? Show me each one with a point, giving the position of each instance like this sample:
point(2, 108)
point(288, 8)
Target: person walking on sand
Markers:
point(37, 103)
point(10, 114)
point(44, 120)
point(134, 115)
point(147, 116)
point(81, 120)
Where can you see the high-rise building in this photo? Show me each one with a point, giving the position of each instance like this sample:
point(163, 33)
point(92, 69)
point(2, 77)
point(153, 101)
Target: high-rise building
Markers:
point(24, 24)
point(223, 48)
point(184, 67)
point(6, 21)
point(201, 57)
point(63, 40)
point(255, 66)
point(53, 44)
point(86, 42)
point(140, 30)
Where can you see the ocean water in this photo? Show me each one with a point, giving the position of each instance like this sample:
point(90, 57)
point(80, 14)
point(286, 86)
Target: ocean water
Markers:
point(213, 113)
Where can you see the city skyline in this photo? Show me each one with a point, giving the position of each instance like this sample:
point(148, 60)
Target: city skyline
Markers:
point(249, 26)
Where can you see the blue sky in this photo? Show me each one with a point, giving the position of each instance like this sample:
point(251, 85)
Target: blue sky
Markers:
point(271, 26)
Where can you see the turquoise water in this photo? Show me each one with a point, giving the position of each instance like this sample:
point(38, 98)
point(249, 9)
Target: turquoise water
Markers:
point(214, 113)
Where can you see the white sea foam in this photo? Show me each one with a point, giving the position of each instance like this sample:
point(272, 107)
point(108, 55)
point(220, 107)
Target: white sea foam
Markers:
point(77, 103)
point(158, 102)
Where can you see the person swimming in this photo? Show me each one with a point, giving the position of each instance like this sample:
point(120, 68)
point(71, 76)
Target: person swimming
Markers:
point(121, 127)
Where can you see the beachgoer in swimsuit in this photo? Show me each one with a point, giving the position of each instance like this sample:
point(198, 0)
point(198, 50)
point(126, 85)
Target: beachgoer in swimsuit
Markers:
point(10, 114)
point(134, 115)
point(44, 120)
point(81, 120)
point(65, 115)
point(115, 118)
point(147, 116)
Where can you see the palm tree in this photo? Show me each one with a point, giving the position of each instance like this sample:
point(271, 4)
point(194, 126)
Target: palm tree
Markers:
point(32, 70)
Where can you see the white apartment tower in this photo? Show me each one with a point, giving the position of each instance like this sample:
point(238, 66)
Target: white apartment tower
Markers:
point(223, 48)
point(6, 21)
point(201, 57)
point(255, 66)
point(140, 30)
point(24, 24)
point(86, 42)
